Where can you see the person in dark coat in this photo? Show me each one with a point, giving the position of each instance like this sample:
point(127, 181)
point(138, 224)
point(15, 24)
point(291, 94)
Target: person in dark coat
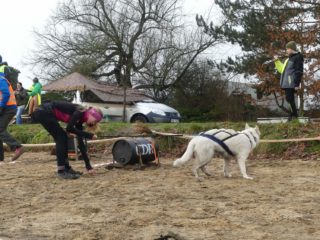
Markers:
point(291, 74)
point(21, 95)
point(74, 115)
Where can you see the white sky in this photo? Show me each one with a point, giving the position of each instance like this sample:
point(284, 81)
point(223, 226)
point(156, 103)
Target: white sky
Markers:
point(20, 17)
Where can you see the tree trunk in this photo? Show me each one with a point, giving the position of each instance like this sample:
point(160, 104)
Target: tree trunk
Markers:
point(124, 114)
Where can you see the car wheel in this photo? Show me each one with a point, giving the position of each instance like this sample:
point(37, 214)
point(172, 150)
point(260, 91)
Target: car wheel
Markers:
point(139, 118)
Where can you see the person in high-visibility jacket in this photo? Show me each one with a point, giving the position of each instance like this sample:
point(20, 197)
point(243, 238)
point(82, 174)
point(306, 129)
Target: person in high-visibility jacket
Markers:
point(34, 96)
point(8, 108)
point(291, 74)
point(1, 65)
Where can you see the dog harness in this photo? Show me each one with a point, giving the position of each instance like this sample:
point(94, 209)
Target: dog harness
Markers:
point(235, 134)
point(220, 142)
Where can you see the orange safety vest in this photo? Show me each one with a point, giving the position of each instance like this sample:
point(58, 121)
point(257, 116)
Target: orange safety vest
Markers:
point(12, 99)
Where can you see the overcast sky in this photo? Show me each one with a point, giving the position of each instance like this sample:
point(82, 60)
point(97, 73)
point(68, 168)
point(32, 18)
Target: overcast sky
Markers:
point(20, 17)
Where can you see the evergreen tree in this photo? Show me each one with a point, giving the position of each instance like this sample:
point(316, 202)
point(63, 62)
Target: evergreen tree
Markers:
point(262, 28)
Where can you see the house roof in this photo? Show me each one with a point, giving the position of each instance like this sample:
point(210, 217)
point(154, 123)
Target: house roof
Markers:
point(76, 81)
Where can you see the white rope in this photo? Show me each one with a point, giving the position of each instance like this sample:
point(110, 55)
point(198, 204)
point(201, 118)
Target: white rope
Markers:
point(183, 136)
point(290, 140)
point(52, 145)
point(261, 140)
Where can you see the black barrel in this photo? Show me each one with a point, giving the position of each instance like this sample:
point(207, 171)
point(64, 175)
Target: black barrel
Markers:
point(129, 151)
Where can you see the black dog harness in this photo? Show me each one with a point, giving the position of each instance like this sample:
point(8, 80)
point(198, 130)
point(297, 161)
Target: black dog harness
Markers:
point(220, 142)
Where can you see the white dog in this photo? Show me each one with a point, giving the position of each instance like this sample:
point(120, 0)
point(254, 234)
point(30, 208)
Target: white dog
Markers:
point(225, 142)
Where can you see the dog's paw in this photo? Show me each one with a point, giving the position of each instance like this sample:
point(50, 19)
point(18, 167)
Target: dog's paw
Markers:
point(200, 179)
point(228, 175)
point(247, 177)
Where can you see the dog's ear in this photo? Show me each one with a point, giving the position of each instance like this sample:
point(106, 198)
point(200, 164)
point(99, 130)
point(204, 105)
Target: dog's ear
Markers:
point(247, 126)
point(257, 129)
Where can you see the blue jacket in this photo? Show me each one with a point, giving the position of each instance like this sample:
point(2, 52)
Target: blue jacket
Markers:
point(4, 90)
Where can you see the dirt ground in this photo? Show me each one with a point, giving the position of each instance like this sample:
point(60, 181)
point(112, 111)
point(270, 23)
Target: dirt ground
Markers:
point(282, 202)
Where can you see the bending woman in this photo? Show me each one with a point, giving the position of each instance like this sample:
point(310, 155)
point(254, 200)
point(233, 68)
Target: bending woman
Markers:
point(49, 115)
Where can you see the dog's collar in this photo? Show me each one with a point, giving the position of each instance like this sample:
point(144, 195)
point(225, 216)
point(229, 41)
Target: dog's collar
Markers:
point(254, 138)
point(248, 138)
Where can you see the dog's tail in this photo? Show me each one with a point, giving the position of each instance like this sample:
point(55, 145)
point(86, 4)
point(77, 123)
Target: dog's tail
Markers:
point(186, 156)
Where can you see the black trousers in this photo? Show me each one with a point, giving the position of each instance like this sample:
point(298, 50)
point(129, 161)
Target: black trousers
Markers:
point(50, 123)
point(290, 99)
point(5, 136)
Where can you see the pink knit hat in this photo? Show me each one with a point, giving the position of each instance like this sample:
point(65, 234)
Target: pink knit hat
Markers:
point(95, 113)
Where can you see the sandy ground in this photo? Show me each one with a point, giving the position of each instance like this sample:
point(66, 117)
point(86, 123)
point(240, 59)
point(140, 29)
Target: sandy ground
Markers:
point(282, 202)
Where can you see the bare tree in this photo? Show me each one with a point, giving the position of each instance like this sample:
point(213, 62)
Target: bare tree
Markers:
point(119, 41)
point(102, 37)
point(166, 69)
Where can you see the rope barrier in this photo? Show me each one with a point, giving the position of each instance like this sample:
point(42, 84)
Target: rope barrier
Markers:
point(290, 140)
point(49, 146)
point(183, 136)
point(261, 140)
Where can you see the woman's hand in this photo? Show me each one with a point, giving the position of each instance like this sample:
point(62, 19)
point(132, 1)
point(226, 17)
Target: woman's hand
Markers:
point(94, 137)
point(72, 135)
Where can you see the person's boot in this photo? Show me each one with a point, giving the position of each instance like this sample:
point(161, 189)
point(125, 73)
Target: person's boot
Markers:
point(1, 156)
point(17, 153)
point(67, 175)
point(1, 151)
point(71, 170)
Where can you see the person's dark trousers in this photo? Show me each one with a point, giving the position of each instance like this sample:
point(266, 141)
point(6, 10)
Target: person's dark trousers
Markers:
point(50, 123)
point(290, 99)
point(5, 136)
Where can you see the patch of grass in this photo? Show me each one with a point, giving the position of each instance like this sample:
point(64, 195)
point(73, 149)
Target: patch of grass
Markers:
point(41, 137)
point(312, 147)
point(112, 128)
point(274, 148)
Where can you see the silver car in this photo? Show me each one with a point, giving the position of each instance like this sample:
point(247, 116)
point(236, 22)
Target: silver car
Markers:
point(145, 111)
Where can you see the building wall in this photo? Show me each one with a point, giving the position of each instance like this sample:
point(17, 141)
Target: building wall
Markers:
point(268, 102)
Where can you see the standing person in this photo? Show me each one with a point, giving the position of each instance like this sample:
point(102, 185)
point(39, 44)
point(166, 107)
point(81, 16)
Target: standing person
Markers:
point(291, 74)
point(8, 108)
point(49, 115)
point(34, 96)
point(2, 65)
point(21, 95)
